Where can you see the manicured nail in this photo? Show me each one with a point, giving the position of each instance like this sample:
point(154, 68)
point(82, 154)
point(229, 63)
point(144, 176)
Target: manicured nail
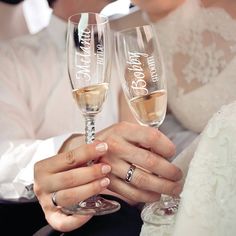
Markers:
point(106, 169)
point(101, 147)
point(104, 182)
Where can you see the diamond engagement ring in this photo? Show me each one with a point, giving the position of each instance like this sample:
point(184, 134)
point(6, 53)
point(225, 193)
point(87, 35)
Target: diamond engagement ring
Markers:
point(130, 173)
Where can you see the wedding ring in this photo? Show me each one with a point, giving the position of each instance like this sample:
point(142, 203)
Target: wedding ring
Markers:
point(130, 173)
point(54, 201)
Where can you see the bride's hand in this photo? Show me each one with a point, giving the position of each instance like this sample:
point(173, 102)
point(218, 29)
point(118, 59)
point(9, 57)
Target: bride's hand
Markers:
point(67, 175)
point(149, 150)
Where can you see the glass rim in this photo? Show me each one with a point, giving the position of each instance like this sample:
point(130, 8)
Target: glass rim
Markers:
point(106, 19)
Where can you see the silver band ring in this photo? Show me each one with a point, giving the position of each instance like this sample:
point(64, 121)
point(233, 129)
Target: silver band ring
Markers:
point(54, 201)
point(130, 173)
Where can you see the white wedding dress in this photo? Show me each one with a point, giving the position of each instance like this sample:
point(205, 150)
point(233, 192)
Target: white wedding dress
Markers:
point(208, 200)
point(199, 47)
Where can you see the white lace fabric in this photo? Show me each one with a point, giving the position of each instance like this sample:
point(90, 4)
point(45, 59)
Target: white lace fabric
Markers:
point(209, 196)
point(208, 200)
point(199, 47)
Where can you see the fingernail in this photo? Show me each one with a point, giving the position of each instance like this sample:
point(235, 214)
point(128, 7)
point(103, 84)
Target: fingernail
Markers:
point(178, 175)
point(106, 169)
point(101, 147)
point(177, 190)
point(104, 182)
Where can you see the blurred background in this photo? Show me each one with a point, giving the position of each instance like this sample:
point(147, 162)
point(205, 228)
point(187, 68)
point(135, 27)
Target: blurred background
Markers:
point(37, 13)
point(30, 16)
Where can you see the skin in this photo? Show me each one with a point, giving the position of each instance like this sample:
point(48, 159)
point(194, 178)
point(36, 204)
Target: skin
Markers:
point(131, 143)
point(157, 9)
point(62, 174)
point(127, 143)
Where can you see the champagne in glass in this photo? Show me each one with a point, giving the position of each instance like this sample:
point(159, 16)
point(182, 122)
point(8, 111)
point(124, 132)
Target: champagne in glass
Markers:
point(142, 74)
point(89, 68)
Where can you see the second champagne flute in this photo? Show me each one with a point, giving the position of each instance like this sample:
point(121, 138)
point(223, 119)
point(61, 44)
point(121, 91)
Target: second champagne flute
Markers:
point(89, 68)
point(142, 74)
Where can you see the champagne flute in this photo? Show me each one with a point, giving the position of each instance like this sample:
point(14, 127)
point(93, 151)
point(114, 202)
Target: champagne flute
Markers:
point(89, 68)
point(142, 74)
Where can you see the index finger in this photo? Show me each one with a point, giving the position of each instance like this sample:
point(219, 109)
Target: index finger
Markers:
point(147, 137)
point(74, 158)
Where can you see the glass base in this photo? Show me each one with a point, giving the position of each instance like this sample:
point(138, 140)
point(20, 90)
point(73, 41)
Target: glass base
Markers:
point(162, 212)
point(167, 206)
point(94, 206)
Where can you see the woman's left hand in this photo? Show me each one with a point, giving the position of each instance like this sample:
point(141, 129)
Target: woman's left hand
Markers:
point(67, 176)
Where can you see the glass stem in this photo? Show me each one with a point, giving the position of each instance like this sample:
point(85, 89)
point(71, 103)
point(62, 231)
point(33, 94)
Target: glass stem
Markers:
point(89, 138)
point(89, 129)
